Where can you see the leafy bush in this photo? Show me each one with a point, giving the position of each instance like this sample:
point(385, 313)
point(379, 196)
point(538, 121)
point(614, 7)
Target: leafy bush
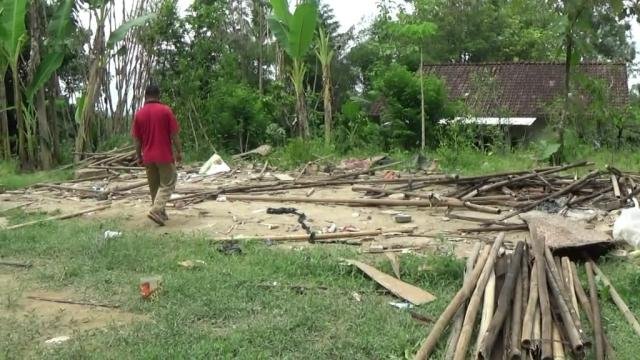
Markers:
point(399, 90)
point(355, 130)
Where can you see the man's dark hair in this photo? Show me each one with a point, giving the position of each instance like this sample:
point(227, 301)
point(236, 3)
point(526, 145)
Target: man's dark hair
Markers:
point(152, 91)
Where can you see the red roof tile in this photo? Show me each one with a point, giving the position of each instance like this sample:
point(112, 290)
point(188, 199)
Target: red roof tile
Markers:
point(524, 89)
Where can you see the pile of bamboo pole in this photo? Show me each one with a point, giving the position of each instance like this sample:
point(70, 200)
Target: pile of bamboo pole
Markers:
point(529, 304)
point(116, 159)
point(513, 193)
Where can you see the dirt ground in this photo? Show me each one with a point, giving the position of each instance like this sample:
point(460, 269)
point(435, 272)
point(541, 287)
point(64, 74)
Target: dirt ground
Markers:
point(246, 219)
point(55, 319)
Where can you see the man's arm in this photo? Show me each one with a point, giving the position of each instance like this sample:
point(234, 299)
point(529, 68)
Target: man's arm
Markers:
point(138, 150)
point(135, 134)
point(177, 146)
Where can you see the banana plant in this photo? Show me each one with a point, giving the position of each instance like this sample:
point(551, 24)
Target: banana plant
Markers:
point(325, 54)
point(13, 37)
point(295, 32)
point(58, 30)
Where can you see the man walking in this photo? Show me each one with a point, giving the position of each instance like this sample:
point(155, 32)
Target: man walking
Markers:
point(155, 131)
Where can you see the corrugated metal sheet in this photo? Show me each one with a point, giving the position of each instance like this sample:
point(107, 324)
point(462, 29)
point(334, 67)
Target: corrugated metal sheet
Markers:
point(511, 121)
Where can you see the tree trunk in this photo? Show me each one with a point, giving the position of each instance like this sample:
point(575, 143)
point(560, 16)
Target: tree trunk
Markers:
point(328, 108)
point(5, 146)
point(22, 139)
point(423, 124)
point(44, 132)
point(261, 36)
point(54, 123)
point(42, 128)
point(297, 76)
point(301, 110)
point(93, 85)
point(558, 158)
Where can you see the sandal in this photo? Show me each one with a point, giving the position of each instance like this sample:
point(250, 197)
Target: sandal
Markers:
point(156, 218)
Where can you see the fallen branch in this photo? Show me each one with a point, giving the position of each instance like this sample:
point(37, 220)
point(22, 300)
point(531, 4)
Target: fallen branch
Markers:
point(15, 263)
point(72, 302)
point(60, 217)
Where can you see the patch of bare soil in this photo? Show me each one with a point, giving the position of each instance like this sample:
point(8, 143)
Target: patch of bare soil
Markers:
point(56, 319)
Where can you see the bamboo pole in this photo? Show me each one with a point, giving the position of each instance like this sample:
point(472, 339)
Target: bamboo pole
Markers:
point(328, 201)
point(568, 278)
point(488, 307)
point(60, 217)
point(504, 304)
point(366, 171)
point(558, 349)
point(616, 186)
point(535, 173)
point(510, 227)
point(482, 208)
point(617, 299)
point(474, 302)
point(459, 317)
point(305, 237)
point(516, 314)
point(536, 343)
point(585, 303)
point(427, 346)
point(573, 334)
point(543, 296)
point(567, 189)
point(595, 308)
point(529, 315)
point(526, 260)
point(567, 311)
point(476, 219)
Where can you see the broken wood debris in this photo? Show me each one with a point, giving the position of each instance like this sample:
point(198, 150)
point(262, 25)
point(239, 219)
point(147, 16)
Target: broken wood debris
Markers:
point(408, 292)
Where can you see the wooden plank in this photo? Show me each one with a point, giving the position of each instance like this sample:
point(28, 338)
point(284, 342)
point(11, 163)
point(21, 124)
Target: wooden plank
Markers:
point(395, 263)
point(412, 294)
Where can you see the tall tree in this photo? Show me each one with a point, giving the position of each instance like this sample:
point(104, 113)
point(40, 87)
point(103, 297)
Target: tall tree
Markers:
point(102, 49)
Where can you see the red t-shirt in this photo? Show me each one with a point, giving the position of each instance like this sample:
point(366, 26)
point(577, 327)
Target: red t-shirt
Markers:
point(153, 125)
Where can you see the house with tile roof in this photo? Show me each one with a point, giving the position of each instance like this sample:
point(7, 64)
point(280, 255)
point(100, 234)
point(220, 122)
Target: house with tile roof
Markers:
point(518, 95)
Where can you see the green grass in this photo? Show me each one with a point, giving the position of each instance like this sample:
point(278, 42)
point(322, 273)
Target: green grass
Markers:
point(219, 311)
point(222, 311)
point(11, 178)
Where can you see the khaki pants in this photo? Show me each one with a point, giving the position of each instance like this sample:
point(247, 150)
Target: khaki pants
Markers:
point(162, 181)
